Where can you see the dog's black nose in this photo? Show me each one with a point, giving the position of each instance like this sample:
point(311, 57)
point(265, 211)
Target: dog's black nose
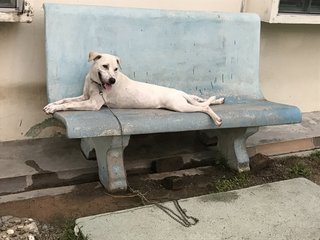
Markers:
point(112, 80)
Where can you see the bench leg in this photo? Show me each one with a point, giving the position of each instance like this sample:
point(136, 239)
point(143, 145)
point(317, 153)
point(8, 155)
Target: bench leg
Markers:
point(87, 148)
point(109, 152)
point(232, 144)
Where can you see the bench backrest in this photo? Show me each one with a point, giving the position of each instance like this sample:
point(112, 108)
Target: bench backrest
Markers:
point(203, 53)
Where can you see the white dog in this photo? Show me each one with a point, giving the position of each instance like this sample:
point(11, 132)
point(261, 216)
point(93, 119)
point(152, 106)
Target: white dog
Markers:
point(106, 85)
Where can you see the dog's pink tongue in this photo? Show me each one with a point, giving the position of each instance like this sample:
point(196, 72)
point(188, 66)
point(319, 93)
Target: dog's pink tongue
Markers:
point(107, 86)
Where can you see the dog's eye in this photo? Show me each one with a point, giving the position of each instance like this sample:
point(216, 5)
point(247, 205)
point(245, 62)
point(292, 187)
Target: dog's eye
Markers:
point(106, 66)
point(116, 69)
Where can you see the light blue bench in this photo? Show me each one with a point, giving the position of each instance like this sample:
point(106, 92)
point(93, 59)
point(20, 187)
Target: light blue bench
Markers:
point(202, 53)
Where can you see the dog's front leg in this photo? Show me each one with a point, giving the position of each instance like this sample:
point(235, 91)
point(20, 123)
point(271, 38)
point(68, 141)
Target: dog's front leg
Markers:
point(91, 104)
point(66, 100)
point(71, 99)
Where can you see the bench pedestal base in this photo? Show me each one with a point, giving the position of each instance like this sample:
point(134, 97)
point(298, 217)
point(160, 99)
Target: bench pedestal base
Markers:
point(109, 153)
point(232, 145)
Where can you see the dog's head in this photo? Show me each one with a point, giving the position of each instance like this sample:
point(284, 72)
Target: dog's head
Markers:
point(104, 70)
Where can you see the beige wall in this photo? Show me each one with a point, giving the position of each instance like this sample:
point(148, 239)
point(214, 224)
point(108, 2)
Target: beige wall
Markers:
point(289, 65)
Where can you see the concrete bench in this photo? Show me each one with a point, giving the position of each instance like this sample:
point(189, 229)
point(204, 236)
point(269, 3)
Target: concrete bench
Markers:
point(202, 53)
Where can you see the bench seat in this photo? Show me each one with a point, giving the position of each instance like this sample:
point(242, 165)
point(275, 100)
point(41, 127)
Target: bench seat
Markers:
point(252, 113)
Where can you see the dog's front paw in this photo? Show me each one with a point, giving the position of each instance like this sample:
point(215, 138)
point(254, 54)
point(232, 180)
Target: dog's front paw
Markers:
point(50, 109)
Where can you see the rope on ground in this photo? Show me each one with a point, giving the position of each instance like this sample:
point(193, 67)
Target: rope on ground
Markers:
point(181, 217)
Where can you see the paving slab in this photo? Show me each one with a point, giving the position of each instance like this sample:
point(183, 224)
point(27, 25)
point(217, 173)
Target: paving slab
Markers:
point(282, 210)
point(287, 139)
point(309, 128)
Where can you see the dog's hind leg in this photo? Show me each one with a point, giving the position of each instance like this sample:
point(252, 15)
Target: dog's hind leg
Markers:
point(217, 120)
point(216, 101)
point(184, 106)
point(197, 98)
point(197, 101)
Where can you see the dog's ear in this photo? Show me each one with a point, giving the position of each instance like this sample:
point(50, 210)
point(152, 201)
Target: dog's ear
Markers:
point(94, 56)
point(118, 61)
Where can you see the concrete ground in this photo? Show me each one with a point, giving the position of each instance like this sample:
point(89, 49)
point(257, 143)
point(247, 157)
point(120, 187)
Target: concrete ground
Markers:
point(282, 210)
point(42, 163)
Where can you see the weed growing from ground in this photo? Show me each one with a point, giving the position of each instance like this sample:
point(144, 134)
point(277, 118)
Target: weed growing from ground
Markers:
point(241, 180)
point(299, 170)
point(68, 232)
point(315, 156)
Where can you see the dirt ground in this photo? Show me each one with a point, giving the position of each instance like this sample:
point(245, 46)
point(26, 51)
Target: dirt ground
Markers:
point(58, 211)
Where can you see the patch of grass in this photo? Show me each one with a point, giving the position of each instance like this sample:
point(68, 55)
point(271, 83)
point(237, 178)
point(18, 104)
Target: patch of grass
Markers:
point(239, 181)
point(315, 155)
point(299, 170)
point(68, 232)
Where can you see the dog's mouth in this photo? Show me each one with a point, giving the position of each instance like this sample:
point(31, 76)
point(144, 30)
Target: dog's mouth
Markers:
point(107, 86)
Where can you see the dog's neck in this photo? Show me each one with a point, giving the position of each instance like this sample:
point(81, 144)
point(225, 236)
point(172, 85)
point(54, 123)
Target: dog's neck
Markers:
point(98, 84)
